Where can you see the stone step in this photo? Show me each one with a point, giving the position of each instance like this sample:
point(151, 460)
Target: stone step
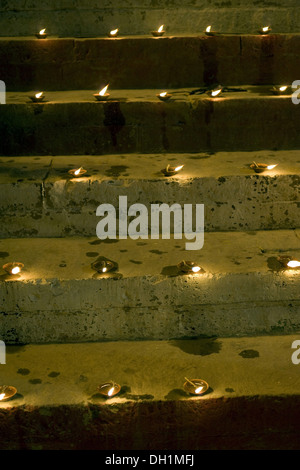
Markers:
point(40, 199)
point(252, 401)
point(91, 17)
point(133, 121)
point(146, 62)
point(58, 297)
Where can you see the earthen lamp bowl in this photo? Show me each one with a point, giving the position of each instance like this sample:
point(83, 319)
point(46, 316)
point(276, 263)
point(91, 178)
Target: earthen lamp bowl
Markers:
point(164, 97)
point(9, 391)
point(102, 97)
point(36, 99)
point(41, 36)
point(188, 266)
point(103, 266)
point(259, 167)
point(188, 387)
point(104, 389)
point(157, 34)
point(9, 266)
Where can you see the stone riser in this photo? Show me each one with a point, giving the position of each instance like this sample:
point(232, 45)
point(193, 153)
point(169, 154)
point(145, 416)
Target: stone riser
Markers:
point(195, 125)
point(141, 62)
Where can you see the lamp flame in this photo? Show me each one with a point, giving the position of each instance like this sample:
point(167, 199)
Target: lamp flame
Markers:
point(178, 168)
point(160, 28)
point(110, 391)
point(103, 91)
point(282, 88)
point(164, 93)
point(195, 269)
point(114, 32)
point(15, 270)
point(77, 172)
point(208, 29)
point(38, 95)
point(216, 92)
point(265, 29)
point(42, 31)
point(104, 270)
point(198, 390)
point(293, 264)
point(2, 395)
point(270, 167)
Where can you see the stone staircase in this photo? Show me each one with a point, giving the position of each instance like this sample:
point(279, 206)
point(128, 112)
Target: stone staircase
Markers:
point(146, 326)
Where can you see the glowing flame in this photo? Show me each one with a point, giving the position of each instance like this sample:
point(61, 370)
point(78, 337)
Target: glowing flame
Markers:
point(15, 270)
point(2, 395)
point(293, 264)
point(114, 32)
point(104, 270)
point(270, 167)
point(164, 93)
point(103, 91)
point(110, 391)
point(195, 269)
point(160, 28)
point(216, 92)
point(282, 88)
point(42, 31)
point(38, 95)
point(208, 29)
point(77, 172)
point(265, 29)
point(179, 167)
point(198, 390)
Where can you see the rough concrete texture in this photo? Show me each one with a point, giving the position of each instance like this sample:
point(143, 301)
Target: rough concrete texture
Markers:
point(91, 18)
point(147, 62)
point(40, 199)
point(58, 297)
point(136, 121)
point(252, 402)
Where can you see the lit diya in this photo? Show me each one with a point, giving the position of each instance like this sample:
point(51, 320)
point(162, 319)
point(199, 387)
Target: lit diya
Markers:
point(109, 389)
point(13, 268)
point(171, 170)
point(102, 95)
point(215, 92)
point(280, 90)
point(76, 172)
point(195, 386)
point(41, 34)
point(159, 32)
point(103, 266)
point(113, 33)
point(38, 97)
point(7, 392)
point(209, 31)
point(265, 30)
point(288, 262)
point(261, 167)
point(189, 267)
point(164, 96)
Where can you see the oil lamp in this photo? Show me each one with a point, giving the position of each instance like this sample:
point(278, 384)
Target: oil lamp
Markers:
point(164, 96)
point(195, 386)
point(189, 267)
point(103, 266)
point(113, 33)
point(38, 97)
point(159, 32)
point(288, 262)
point(209, 32)
point(215, 92)
point(171, 170)
point(41, 34)
point(13, 268)
point(109, 389)
point(265, 30)
point(102, 95)
point(76, 172)
point(280, 90)
point(261, 167)
point(7, 392)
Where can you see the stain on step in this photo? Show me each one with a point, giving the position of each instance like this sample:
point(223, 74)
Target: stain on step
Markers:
point(249, 354)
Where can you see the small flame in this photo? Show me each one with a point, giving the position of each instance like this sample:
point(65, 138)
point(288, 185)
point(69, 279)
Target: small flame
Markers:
point(198, 390)
point(265, 29)
point(15, 270)
point(216, 92)
point(42, 31)
point(208, 29)
point(293, 264)
point(164, 93)
point(195, 269)
point(270, 167)
point(77, 172)
point(283, 88)
point(114, 32)
point(110, 391)
point(104, 270)
point(160, 28)
point(179, 167)
point(38, 95)
point(103, 91)
point(2, 395)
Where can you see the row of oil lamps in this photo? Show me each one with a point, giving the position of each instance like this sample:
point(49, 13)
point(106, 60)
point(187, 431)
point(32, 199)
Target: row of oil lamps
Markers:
point(159, 32)
point(164, 95)
point(110, 389)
